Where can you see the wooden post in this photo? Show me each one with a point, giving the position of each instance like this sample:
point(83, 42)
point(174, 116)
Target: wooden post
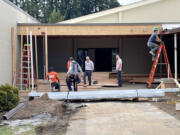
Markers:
point(36, 52)
point(46, 51)
point(27, 38)
point(13, 45)
point(21, 64)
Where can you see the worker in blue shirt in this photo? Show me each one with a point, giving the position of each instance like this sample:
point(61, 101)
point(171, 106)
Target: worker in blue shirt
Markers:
point(153, 43)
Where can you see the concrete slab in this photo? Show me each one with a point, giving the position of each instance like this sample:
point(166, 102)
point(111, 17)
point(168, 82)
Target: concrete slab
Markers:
point(113, 118)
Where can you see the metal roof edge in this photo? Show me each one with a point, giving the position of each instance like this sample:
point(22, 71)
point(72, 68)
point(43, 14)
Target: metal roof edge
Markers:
point(93, 24)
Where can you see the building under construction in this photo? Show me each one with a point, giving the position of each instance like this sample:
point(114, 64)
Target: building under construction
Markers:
point(124, 30)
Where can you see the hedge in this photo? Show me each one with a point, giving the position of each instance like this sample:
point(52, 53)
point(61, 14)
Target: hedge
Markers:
point(9, 97)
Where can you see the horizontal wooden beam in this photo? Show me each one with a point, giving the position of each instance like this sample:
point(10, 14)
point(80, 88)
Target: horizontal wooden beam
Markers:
point(88, 30)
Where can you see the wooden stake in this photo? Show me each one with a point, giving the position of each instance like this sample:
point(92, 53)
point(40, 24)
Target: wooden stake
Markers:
point(21, 64)
point(36, 52)
point(13, 45)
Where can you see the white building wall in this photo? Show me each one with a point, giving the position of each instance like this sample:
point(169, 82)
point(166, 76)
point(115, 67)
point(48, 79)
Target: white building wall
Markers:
point(111, 18)
point(9, 17)
point(163, 11)
point(160, 11)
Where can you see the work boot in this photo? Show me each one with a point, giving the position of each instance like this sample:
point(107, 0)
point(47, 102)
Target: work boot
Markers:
point(152, 53)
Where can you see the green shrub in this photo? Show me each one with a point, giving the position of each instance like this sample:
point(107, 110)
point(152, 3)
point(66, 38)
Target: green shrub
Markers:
point(9, 97)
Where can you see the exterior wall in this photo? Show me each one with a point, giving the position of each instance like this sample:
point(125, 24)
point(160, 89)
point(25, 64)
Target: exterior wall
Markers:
point(97, 43)
point(112, 18)
point(59, 49)
point(135, 55)
point(162, 11)
point(133, 50)
point(10, 16)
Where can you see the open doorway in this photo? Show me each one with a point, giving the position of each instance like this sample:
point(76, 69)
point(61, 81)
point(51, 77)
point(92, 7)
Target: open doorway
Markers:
point(103, 58)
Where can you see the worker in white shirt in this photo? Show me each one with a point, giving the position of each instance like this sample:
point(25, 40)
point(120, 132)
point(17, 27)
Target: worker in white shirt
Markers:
point(119, 69)
point(89, 68)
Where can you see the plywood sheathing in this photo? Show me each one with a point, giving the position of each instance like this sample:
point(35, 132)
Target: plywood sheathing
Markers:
point(88, 30)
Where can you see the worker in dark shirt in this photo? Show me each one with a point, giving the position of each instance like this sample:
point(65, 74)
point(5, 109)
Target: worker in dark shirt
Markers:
point(153, 43)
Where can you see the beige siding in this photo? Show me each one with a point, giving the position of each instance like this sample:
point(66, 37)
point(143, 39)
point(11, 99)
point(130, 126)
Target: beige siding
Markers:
point(9, 17)
point(104, 19)
point(160, 11)
point(164, 11)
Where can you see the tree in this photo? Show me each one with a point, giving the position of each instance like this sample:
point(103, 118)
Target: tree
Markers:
point(55, 17)
point(42, 9)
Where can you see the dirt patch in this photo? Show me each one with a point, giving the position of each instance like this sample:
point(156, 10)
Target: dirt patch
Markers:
point(61, 124)
point(34, 107)
point(169, 105)
point(60, 111)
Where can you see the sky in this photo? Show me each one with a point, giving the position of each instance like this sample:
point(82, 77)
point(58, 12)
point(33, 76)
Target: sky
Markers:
point(125, 2)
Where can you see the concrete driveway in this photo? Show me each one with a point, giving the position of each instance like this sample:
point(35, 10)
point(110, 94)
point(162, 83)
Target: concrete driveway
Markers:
point(116, 118)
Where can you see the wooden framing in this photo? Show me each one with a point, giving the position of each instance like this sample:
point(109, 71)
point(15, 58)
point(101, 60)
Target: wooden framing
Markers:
point(46, 51)
point(36, 54)
point(21, 63)
point(13, 45)
point(88, 30)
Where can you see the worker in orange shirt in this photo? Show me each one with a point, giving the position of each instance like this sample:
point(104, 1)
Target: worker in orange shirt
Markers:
point(53, 77)
point(69, 62)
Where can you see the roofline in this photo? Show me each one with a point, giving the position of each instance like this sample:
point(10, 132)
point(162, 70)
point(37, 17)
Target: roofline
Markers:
point(93, 24)
point(176, 30)
point(111, 11)
point(19, 9)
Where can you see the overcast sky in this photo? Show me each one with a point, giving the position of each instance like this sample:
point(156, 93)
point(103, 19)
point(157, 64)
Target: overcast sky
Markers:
point(125, 2)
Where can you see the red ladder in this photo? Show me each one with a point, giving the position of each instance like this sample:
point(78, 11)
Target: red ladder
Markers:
point(153, 69)
point(24, 77)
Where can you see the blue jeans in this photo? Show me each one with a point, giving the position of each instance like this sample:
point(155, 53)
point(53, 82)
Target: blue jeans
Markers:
point(87, 73)
point(56, 85)
point(153, 47)
point(119, 79)
point(72, 80)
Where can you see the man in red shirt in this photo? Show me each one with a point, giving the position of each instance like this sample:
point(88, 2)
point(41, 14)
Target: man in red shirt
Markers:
point(53, 77)
point(69, 62)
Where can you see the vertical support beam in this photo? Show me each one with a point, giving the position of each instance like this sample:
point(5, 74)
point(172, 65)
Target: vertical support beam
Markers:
point(28, 71)
point(175, 55)
point(36, 53)
point(46, 51)
point(13, 45)
point(21, 59)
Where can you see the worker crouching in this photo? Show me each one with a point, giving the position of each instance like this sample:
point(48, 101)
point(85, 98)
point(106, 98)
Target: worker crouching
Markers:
point(72, 75)
point(54, 79)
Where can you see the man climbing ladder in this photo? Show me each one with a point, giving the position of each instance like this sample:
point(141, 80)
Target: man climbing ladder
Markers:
point(166, 60)
point(153, 42)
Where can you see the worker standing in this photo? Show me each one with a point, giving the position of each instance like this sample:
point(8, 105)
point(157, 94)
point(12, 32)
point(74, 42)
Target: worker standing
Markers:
point(89, 68)
point(54, 79)
point(69, 62)
point(72, 75)
point(119, 69)
point(153, 43)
